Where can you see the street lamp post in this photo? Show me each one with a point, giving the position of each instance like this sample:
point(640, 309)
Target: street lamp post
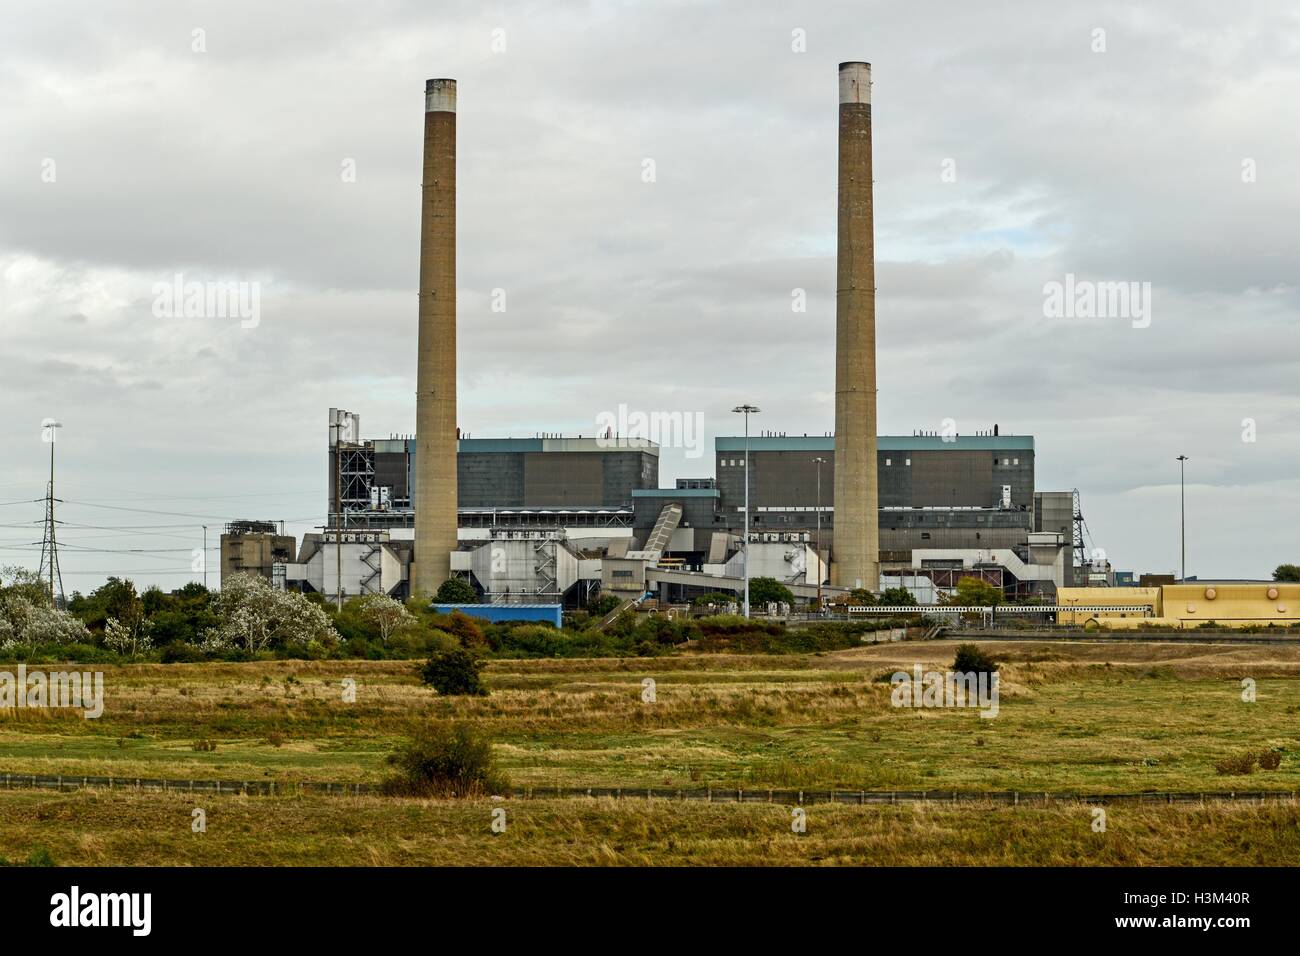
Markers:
point(820, 462)
point(1182, 512)
point(746, 410)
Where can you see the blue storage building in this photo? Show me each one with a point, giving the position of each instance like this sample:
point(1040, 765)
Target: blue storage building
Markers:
point(496, 613)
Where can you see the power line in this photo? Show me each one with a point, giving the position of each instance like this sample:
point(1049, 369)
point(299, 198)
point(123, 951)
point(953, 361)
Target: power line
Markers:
point(148, 511)
point(119, 572)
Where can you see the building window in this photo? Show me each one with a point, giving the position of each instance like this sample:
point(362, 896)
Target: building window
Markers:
point(907, 462)
point(888, 462)
point(925, 536)
point(1015, 461)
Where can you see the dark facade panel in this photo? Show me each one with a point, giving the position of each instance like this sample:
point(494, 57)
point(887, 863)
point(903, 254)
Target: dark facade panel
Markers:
point(490, 480)
point(923, 478)
point(564, 479)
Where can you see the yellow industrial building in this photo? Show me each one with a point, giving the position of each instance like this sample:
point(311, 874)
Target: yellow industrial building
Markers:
point(1229, 604)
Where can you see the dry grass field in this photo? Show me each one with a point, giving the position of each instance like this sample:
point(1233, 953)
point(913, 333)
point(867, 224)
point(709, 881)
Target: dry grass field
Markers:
point(1091, 718)
point(103, 829)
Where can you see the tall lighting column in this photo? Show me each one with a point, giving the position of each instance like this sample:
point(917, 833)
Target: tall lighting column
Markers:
point(1182, 513)
point(819, 461)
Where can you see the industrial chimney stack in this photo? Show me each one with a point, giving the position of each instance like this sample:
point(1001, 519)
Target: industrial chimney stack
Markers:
point(435, 401)
point(857, 533)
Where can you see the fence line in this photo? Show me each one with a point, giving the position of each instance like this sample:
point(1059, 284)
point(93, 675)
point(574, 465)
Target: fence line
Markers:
point(790, 797)
point(1098, 635)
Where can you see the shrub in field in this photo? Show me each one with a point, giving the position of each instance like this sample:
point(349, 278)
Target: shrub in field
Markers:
point(1238, 766)
point(1270, 760)
point(623, 625)
point(454, 673)
point(971, 659)
point(444, 760)
point(724, 624)
point(528, 640)
point(179, 653)
point(657, 629)
point(733, 632)
point(203, 744)
point(465, 629)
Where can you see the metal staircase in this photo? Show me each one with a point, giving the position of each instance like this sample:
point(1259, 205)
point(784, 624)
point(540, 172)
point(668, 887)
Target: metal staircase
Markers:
point(544, 566)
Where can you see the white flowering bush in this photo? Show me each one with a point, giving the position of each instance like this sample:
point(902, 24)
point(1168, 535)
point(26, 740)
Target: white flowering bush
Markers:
point(28, 619)
point(124, 639)
point(255, 616)
point(385, 614)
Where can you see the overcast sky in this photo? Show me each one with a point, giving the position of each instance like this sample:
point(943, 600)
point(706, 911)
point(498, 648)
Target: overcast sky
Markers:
point(1015, 143)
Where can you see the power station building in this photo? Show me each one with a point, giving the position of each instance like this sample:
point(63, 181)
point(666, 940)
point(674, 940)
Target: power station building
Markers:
point(556, 474)
point(543, 518)
point(949, 507)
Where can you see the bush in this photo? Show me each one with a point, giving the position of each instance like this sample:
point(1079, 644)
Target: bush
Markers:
point(178, 653)
point(971, 659)
point(527, 640)
point(603, 605)
point(897, 597)
point(767, 590)
point(657, 629)
point(1270, 760)
point(444, 760)
point(454, 673)
point(1238, 766)
point(975, 592)
point(623, 625)
point(860, 597)
point(456, 591)
point(465, 629)
point(204, 745)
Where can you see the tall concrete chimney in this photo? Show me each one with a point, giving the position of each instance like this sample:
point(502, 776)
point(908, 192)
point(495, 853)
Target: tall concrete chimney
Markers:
point(435, 398)
point(856, 523)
